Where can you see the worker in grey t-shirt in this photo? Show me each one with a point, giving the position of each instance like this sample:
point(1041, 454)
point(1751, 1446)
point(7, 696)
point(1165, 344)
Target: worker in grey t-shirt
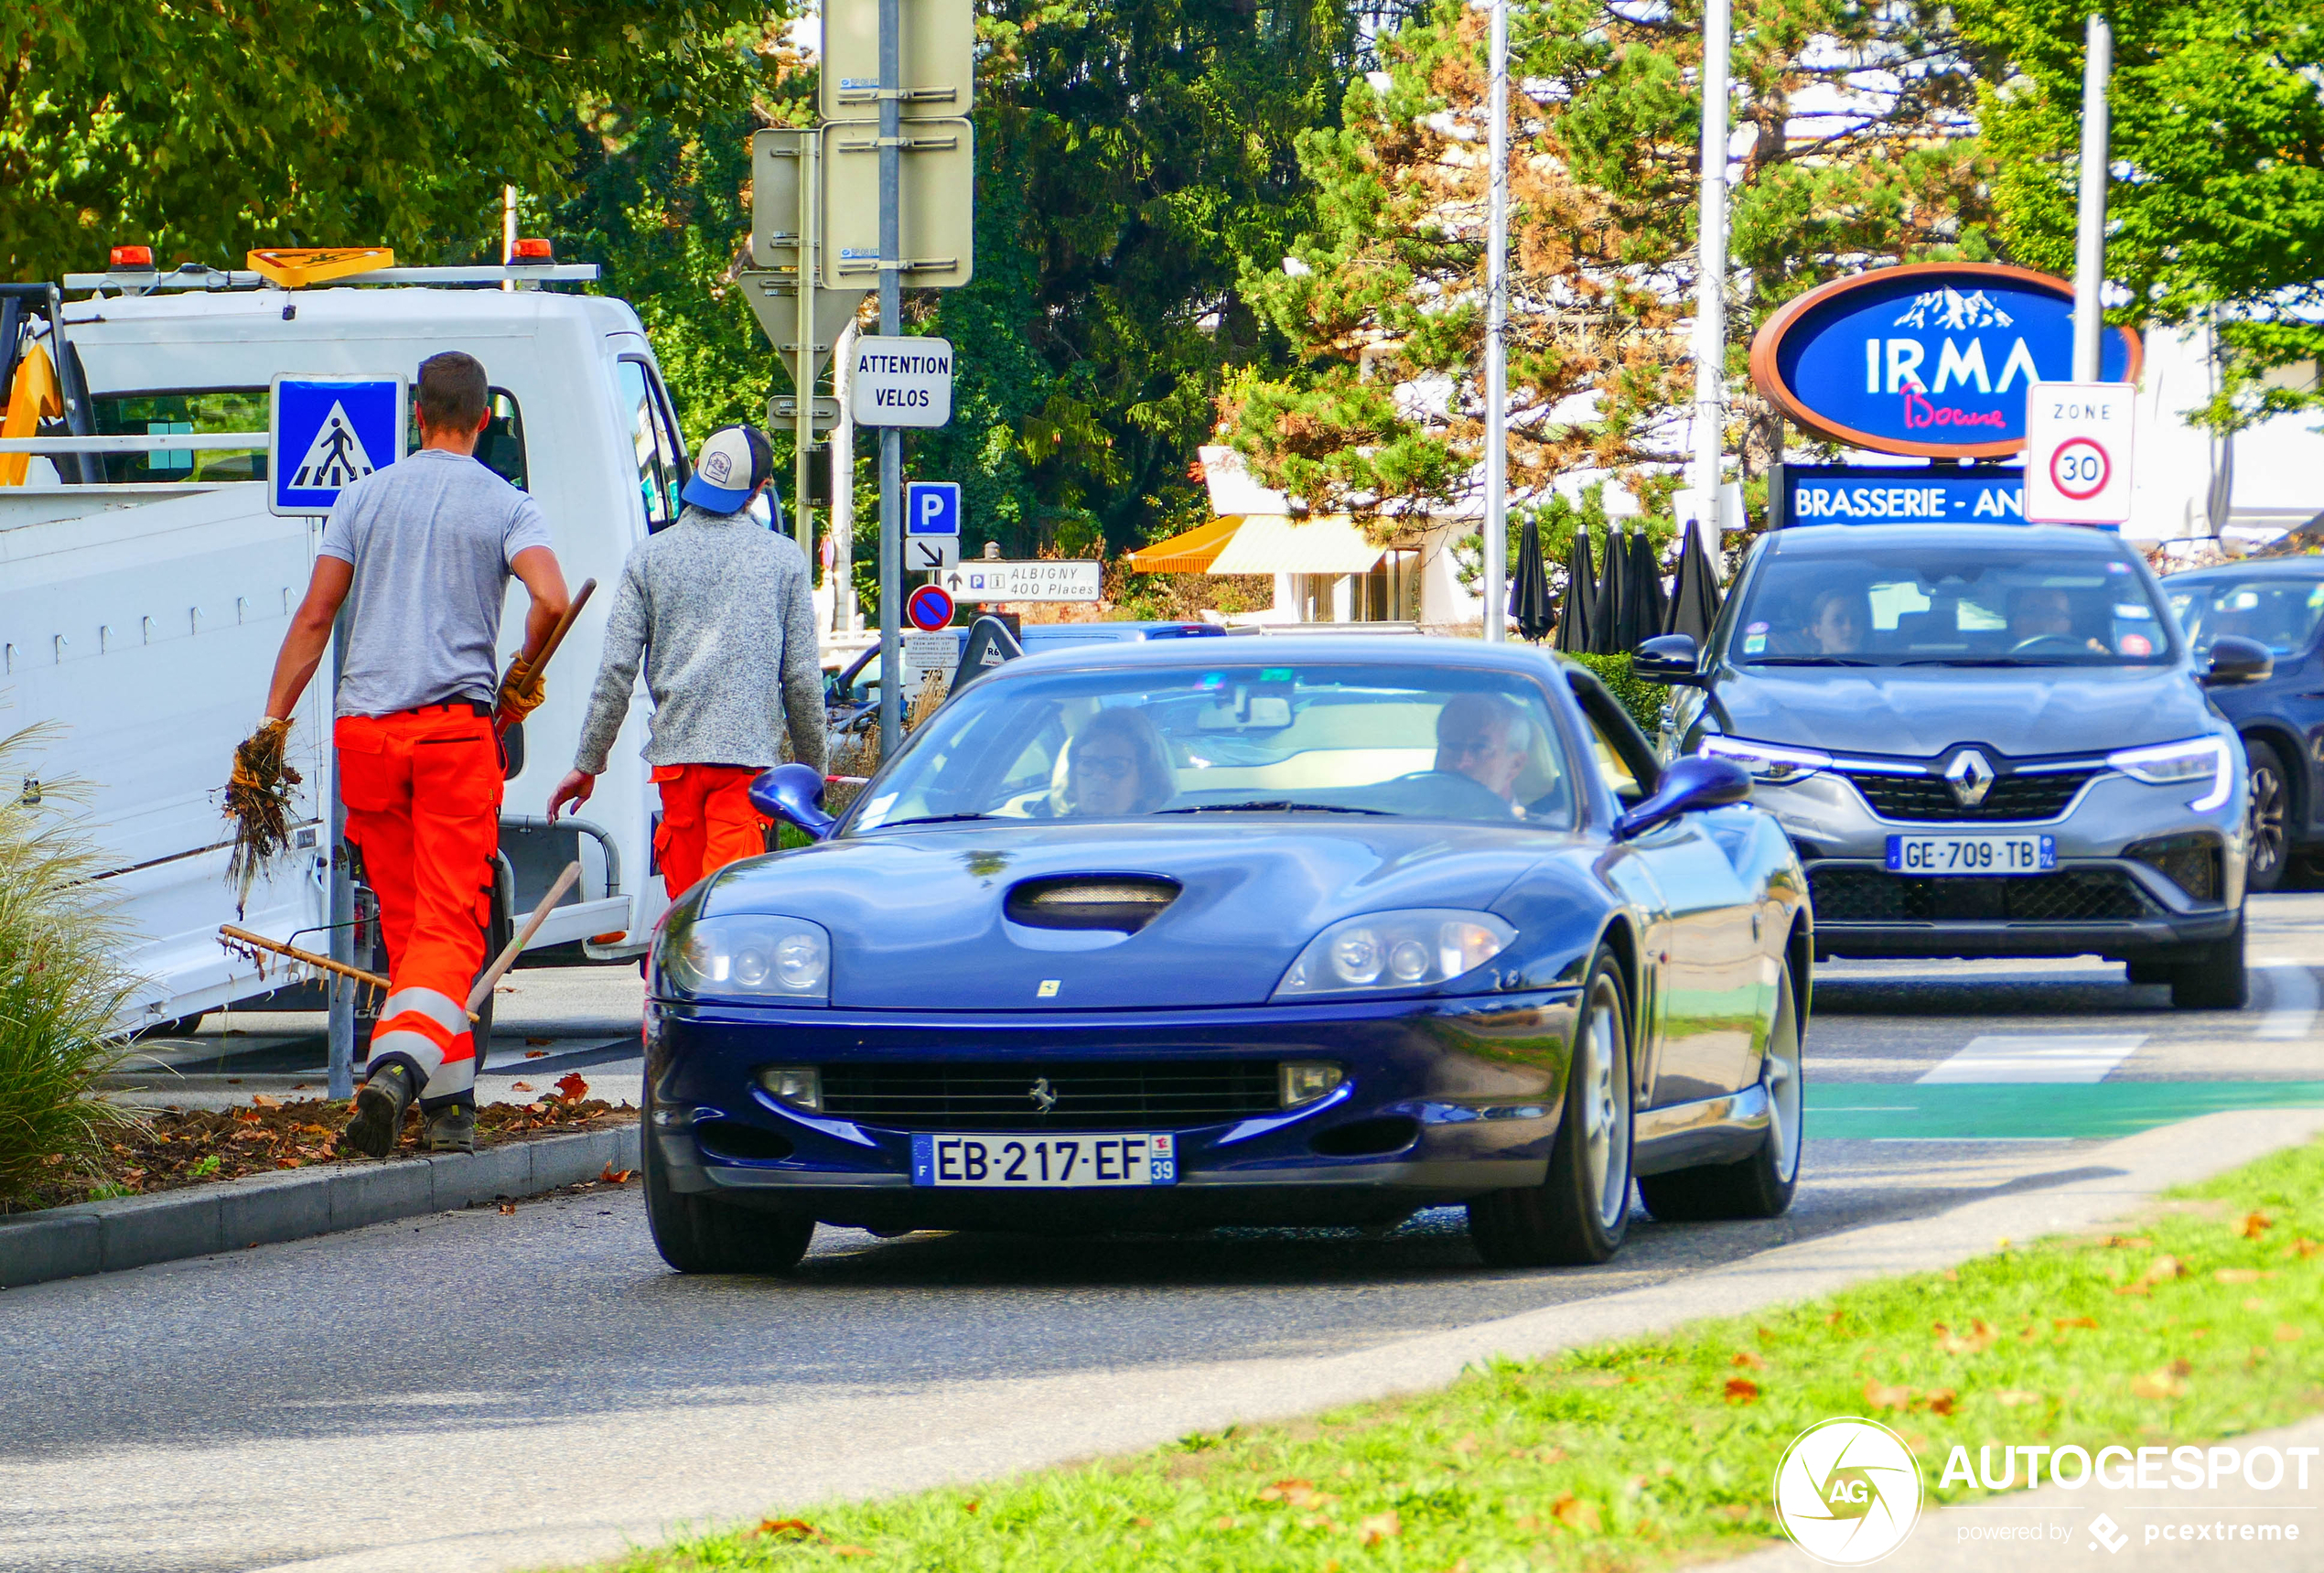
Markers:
point(421, 553)
point(720, 608)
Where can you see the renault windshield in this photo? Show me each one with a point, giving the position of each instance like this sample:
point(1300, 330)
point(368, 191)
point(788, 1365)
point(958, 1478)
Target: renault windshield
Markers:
point(1918, 602)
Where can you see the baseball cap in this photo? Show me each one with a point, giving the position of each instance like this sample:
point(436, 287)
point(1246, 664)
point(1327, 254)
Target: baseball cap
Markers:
point(733, 461)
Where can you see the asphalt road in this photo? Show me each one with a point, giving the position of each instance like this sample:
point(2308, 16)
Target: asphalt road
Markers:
point(456, 1391)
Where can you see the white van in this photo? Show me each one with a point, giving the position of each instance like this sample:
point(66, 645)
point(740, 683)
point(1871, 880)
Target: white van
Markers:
point(143, 593)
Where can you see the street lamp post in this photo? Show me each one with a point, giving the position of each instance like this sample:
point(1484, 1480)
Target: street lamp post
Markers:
point(1710, 298)
point(1496, 327)
point(2090, 215)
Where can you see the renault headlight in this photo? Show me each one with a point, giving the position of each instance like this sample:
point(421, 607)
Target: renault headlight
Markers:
point(1769, 763)
point(749, 956)
point(2206, 759)
point(1395, 950)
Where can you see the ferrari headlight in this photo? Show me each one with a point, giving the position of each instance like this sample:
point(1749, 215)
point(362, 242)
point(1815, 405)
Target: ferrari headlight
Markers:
point(749, 957)
point(1397, 951)
point(2205, 760)
point(1769, 763)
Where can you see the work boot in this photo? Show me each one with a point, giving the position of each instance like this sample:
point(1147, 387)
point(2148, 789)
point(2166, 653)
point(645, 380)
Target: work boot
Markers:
point(380, 1103)
point(452, 1130)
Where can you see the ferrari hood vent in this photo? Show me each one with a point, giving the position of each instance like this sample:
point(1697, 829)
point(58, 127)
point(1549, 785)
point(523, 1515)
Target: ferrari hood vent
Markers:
point(1123, 903)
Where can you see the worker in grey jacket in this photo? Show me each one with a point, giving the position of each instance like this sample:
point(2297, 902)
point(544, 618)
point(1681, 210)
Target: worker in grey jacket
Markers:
point(720, 608)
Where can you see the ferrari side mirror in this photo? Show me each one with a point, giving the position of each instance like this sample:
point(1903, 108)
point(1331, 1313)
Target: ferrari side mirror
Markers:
point(1667, 658)
point(794, 795)
point(1693, 782)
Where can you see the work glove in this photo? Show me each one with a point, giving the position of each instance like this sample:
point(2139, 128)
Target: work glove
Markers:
point(522, 690)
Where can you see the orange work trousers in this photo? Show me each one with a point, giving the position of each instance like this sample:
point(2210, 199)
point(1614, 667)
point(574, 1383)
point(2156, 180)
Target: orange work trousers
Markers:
point(707, 822)
point(423, 795)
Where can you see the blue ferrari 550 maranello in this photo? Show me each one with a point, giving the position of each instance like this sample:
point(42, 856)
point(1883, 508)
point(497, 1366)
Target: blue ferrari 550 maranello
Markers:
point(1307, 930)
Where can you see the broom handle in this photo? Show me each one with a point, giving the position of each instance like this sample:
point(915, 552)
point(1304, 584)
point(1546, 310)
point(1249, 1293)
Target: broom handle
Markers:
point(507, 958)
point(564, 625)
point(244, 936)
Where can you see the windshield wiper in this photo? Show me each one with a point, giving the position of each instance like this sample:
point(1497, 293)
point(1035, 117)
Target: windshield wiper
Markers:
point(1806, 660)
point(931, 819)
point(1271, 805)
point(1981, 661)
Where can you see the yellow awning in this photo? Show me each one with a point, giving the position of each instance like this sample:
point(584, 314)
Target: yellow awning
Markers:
point(1272, 544)
point(1188, 553)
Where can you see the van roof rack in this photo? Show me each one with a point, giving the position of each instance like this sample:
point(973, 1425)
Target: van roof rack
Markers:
point(198, 276)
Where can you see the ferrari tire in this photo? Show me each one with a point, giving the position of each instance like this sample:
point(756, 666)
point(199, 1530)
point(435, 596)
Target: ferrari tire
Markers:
point(1761, 1185)
point(703, 1234)
point(1579, 1213)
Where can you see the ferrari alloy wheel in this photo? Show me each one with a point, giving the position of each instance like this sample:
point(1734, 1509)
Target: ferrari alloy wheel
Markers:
point(1579, 1213)
point(703, 1234)
point(2271, 803)
point(1760, 1186)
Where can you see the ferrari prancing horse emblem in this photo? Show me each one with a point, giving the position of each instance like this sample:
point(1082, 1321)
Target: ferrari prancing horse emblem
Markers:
point(1043, 1095)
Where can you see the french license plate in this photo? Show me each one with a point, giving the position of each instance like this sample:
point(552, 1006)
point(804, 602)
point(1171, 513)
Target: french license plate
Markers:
point(1076, 1162)
point(1972, 854)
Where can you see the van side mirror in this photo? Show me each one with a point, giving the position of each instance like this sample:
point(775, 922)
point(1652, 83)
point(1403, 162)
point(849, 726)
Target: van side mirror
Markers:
point(1695, 781)
point(1670, 658)
point(794, 795)
point(2236, 661)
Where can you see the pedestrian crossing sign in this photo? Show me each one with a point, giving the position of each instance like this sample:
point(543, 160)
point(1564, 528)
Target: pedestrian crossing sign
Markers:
point(329, 433)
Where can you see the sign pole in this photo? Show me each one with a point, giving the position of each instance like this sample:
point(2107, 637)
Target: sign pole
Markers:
point(341, 1080)
point(2090, 214)
point(1496, 328)
point(803, 525)
point(891, 323)
point(1710, 285)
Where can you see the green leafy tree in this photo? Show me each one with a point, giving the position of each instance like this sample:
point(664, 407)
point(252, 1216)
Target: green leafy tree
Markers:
point(206, 127)
point(1859, 151)
point(2216, 215)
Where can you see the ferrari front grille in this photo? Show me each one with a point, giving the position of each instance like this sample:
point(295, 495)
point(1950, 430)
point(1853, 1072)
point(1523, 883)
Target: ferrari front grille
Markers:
point(1054, 1095)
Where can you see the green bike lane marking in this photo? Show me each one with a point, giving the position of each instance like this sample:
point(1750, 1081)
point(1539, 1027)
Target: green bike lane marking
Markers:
point(2021, 1111)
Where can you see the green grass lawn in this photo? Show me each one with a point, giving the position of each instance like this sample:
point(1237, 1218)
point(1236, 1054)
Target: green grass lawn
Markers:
point(2202, 1323)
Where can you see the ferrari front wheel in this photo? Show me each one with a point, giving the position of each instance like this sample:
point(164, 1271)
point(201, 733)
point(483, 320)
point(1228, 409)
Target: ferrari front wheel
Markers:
point(703, 1234)
point(1580, 1212)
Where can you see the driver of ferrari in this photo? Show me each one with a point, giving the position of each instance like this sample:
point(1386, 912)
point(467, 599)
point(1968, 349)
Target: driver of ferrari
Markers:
point(1485, 737)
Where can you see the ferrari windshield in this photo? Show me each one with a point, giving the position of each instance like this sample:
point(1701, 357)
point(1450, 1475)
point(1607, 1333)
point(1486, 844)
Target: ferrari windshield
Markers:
point(1913, 603)
point(1139, 741)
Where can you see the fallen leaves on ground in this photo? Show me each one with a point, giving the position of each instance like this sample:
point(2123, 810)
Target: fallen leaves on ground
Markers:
point(2164, 1382)
point(1741, 1390)
point(571, 1087)
point(2288, 1333)
point(2010, 1397)
point(1882, 1396)
point(2064, 1322)
point(521, 1086)
point(2242, 1275)
point(1576, 1512)
point(1295, 1493)
point(613, 1176)
point(2253, 1224)
point(1976, 1340)
point(1380, 1526)
point(1744, 1357)
point(508, 1209)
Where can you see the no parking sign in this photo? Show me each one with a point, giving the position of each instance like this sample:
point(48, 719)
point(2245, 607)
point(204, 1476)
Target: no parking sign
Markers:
point(2078, 440)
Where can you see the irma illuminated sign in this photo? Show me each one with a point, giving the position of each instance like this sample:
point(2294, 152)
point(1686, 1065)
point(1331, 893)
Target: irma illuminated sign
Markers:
point(1933, 359)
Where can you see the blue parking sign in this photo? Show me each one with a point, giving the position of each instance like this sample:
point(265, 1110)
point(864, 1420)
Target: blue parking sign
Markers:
point(329, 433)
point(932, 508)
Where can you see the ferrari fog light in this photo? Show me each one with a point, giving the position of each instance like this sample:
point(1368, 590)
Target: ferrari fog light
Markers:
point(1305, 1081)
point(1400, 951)
point(801, 1087)
point(749, 956)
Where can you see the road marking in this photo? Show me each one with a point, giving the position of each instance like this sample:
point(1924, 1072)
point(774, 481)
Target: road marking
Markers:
point(2089, 1110)
point(2045, 1057)
point(2292, 998)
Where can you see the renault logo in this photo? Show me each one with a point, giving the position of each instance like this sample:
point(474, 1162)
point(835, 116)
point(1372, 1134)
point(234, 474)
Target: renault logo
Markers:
point(1970, 775)
point(1044, 1096)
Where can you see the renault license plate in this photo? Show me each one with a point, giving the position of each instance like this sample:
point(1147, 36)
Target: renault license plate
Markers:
point(1079, 1161)
point(1972, 854)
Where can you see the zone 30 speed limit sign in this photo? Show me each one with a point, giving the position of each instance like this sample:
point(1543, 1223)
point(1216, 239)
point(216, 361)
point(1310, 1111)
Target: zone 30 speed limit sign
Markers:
point(2078, 453)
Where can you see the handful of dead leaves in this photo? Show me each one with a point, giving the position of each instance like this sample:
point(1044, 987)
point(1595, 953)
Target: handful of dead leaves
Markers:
point(259, 799)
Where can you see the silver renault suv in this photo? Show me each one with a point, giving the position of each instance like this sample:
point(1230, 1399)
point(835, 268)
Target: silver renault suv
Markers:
point(1985, 741)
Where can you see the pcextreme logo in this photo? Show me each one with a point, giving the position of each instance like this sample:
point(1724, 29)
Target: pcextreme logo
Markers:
point(1847, 1491)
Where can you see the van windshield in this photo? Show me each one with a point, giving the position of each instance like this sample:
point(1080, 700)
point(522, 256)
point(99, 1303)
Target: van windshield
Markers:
point(1906, 604)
